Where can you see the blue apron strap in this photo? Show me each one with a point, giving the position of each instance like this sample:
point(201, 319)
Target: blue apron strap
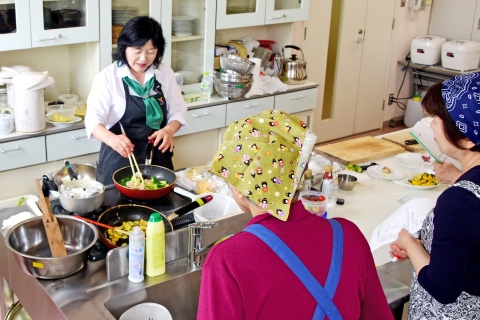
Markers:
point(305, 276)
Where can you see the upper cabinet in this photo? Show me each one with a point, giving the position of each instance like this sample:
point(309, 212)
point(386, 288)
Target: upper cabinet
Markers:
point(247, 13)
point(40, 23)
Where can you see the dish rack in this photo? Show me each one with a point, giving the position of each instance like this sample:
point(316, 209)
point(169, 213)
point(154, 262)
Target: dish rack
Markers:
point(13, 202)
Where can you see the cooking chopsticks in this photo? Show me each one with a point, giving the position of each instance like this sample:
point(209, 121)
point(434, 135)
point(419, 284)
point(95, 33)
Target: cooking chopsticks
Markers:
point(130, 157)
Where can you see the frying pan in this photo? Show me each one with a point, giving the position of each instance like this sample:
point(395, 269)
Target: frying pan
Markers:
point(148, 171)
point(115, 216)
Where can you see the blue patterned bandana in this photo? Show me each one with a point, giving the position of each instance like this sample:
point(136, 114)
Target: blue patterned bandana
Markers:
point(462, 97)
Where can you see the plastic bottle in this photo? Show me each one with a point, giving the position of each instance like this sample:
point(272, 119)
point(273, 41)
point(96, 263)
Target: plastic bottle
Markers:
point(232, 50)
point(414, 111)
point(307, 180)
point(328, 186)
point(136, 255)
point(155, 246)
point(206, 87)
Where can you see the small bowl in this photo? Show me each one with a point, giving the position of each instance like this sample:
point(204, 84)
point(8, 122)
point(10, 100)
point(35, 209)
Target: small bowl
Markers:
point(346, 182)
point(311, 202)
point(60, 112)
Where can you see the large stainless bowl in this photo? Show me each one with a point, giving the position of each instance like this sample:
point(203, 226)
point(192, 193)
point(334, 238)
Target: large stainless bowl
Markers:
point(236, 63)
point(84, 171)
point(229, 76)
point(29, 244)
point(232, 91)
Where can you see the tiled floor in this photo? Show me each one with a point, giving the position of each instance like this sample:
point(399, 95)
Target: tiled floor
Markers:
point(372, 133)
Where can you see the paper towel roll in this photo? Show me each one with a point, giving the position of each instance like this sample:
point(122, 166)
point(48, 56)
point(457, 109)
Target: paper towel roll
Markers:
point(255, 90)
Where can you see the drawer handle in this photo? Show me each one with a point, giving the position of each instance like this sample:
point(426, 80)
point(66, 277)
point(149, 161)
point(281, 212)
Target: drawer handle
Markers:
point(298, 98)
point(251, 105)
point(278, 17)
point(201, 115)
point(48, 39)
point(78, 138)
point(10, 150)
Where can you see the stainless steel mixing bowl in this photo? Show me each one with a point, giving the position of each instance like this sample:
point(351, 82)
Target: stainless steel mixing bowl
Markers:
point(232, 91)
point(84, 171)
point(236, 63)
point(29, 244)
point(229, 76)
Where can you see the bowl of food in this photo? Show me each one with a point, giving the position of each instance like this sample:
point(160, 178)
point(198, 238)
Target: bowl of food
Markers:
point(315, 202)
point(346, 182)
point(60, 112)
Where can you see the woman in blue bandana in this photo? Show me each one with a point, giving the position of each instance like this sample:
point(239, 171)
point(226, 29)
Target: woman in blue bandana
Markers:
point(446, 258)
point(140, 93)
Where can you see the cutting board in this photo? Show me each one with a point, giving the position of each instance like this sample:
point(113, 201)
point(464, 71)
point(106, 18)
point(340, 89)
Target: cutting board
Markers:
point(359, 150)
point(400, 137)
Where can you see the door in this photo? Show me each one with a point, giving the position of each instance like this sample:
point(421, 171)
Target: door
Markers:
point(357, 63)
point(240, 13)
point(281, 11)
point(14, 25)
point(60, 22)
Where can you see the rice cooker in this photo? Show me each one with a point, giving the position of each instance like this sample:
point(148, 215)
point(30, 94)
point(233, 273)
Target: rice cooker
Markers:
point(426, 50)
point(461, 55)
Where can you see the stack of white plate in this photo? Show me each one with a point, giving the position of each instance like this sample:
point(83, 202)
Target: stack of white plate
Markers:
point(121, 15)
point(183, 25)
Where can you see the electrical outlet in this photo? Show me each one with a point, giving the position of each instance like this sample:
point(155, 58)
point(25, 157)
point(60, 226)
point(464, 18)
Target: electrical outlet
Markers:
point(390, 98)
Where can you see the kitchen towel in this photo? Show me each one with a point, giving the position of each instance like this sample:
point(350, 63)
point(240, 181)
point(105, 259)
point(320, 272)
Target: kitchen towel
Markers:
point(255, 89)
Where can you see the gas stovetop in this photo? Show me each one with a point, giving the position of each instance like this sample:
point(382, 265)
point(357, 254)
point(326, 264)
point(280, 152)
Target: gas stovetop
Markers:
point(166, 205)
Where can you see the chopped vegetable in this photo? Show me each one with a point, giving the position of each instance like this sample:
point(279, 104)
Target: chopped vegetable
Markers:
point(148, 184)
point(354, 167)
point(424, 179)
point(120, 239)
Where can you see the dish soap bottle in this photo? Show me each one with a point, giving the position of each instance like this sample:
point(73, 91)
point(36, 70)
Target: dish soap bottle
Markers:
point(136, 255)
point(155, 246)
point(328, 186)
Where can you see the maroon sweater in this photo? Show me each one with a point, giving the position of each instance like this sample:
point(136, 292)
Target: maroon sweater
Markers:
point(242, 278)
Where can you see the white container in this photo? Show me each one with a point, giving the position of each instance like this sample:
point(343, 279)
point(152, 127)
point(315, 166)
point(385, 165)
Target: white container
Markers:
point(136, 255)
point(461, 55)
point(414, 111)
point(426, 50)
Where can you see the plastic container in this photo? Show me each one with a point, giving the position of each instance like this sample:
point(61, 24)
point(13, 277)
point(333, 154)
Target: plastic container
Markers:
point(60, 112)
point(155, 246)
point(414, 111)
point(206, 87)
point(315, 202)
point(461, 55)
point(426, 50)
point(136, 255)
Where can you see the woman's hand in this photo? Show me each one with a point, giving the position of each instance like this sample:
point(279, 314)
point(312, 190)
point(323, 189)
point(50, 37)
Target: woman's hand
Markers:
point(397, 252)
point(121, 144)
point(166, 136)
point(413, 248)
point(446, 172)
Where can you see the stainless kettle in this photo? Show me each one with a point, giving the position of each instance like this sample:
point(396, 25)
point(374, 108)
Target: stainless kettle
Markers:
point(293, 70)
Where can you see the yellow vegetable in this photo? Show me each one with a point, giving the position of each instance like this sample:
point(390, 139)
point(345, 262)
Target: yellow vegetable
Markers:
point(424, 179)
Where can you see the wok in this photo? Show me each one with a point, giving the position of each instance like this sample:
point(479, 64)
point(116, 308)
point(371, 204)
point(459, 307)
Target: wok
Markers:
point(115, 216)
point(148, 171)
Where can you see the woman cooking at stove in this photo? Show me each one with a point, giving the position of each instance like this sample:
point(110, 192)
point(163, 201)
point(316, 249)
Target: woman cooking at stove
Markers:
point(446, 279)
point(140, 93)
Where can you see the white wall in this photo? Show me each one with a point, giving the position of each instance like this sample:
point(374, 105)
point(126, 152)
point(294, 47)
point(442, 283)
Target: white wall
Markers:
point(405, 30)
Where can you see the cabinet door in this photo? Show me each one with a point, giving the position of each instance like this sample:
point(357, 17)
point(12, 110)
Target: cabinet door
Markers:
point(56, 22)
point(203, 119)
point(281, 11)
point(297, 101)
point(22, 153)
point(450, 20)
point(476, 25)
point(70, 144)
point(14, 25)
point(240, 13)
point(242, 109)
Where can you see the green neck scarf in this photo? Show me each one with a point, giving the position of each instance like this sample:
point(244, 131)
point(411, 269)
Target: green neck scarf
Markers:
point(154, 111)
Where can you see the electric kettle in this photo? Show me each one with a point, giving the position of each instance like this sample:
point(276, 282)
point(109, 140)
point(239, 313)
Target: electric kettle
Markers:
point(6, 121)
point(293, 70)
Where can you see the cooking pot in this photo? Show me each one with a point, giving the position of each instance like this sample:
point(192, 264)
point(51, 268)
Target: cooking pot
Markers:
point(29, 244)
point(81, 204)
point(6, 121)
point(293, 70)
point(148, 171)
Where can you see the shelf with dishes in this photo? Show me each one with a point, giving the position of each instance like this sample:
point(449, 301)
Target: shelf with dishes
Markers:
point(187, 38)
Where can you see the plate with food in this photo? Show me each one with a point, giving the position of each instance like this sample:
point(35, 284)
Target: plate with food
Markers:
point(415, 161)
point(385, 173)
point(420, 180)
point(75, 119)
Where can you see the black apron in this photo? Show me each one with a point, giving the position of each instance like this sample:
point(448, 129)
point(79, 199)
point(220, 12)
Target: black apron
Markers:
point(137, 130)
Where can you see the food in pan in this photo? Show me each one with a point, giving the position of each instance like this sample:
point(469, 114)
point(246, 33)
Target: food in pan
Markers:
point(424, 179)
point(386, 170)
point(120, 239)
point(136, 183)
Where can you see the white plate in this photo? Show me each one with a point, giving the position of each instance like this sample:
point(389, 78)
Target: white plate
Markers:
point(66, 123)
point(415, 161)
point(376, 172)
point(405, 183)
point(146, 311)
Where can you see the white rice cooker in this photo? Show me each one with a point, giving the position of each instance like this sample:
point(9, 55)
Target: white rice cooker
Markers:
point(426, 50)
point(461, 55)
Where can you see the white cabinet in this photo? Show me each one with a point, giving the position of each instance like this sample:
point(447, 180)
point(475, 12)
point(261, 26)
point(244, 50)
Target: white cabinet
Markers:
point(70, 144)
point(36, 23)
point(203, 119)
point(22, 153)
point(297, 101)
point(246, 13)
point(242, 109)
